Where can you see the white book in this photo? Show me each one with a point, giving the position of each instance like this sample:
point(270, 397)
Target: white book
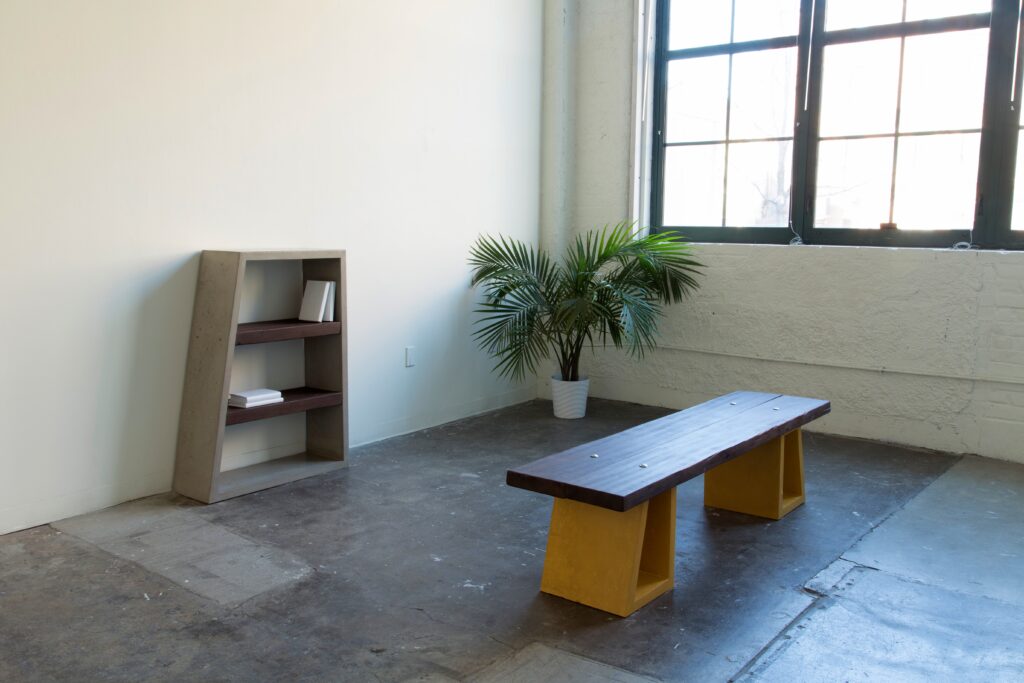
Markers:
point(314, 301)
point(329, 310)
point(256, 394)
point(252, 404)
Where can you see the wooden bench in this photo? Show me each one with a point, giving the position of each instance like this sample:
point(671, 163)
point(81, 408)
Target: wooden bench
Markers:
point(611, 544)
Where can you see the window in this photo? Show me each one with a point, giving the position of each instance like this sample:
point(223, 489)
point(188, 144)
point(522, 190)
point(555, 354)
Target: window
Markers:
point(871, 122)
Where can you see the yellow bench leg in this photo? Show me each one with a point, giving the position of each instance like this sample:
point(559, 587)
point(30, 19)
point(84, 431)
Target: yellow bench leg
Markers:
point(614, 561)
point(766, 482)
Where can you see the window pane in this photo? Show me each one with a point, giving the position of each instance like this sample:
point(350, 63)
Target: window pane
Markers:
point(944, 81)
point(854, 183)
point(693, 185)
point(1018, 190)
point(936, 182)
point(758, 184)
point(854, 13)
point(763, 93)
point(859, 88)
point(694, 23)
point(698, 94)
point(756, 19)
point(933, 9)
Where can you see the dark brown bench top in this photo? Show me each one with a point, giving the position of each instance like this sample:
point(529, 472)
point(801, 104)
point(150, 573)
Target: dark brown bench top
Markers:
point(675, 448)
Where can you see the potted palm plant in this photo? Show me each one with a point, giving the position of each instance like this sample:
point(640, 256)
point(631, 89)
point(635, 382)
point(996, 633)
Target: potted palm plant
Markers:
point(610, 286)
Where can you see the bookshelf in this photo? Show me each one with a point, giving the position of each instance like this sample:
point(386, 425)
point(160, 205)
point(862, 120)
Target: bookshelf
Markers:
point(215, 335)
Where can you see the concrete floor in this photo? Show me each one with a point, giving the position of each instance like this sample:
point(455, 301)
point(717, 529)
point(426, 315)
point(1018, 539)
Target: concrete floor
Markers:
point(418, 563)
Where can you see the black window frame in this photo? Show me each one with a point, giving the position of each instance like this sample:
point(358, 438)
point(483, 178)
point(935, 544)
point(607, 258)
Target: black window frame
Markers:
point(1000, 130)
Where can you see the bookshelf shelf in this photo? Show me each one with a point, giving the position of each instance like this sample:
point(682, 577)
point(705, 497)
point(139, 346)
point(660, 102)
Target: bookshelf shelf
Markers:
point(272, 473)
point(296, 400)
point(283, 330)
point(215, 335)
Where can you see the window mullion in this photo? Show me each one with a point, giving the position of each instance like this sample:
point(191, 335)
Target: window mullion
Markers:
point(812, 30)
point(999, 134)
point(896, 126)
point(661, 28)
point(797, 197)
point(728, 121)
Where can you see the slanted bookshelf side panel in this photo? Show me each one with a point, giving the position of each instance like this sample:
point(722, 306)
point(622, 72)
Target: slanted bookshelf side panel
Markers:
point(208, 368)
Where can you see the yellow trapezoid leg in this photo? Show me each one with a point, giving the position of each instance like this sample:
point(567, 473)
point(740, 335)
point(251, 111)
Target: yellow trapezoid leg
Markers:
point(768, 481)
point(613, 561)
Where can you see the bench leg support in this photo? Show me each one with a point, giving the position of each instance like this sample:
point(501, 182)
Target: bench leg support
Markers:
point(614, 561)
point(767, 481)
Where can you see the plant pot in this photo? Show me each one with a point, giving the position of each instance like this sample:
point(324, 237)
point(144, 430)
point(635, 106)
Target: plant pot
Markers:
point(570, 398)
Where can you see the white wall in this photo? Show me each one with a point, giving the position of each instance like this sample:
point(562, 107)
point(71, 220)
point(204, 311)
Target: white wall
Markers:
point(135, 134)
point(921, 347)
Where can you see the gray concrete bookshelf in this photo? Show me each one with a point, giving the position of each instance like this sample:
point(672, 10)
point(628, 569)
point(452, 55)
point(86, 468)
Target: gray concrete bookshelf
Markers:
point(215, 334)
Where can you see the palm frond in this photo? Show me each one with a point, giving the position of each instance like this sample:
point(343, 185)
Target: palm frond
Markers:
point(667, 261)
point(517, 282)
point(508, 330)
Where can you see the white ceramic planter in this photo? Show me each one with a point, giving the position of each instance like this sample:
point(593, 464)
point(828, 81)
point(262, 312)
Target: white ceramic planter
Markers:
point(570, 398)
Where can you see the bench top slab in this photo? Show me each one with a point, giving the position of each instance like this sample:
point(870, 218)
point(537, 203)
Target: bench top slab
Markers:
point(674, 449)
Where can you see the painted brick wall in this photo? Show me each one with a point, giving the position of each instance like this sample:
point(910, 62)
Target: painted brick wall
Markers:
point(922, 347)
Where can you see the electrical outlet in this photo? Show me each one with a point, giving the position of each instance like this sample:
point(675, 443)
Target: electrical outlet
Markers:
point(410, 356)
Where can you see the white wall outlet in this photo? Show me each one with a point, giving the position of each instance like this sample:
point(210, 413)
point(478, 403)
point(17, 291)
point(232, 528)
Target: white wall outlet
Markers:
point(410, 356)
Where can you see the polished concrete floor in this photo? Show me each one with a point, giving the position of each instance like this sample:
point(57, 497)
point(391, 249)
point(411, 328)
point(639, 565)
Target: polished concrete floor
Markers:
point(417, 563)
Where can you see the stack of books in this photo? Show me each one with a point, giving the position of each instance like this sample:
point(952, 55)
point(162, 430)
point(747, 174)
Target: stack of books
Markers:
point(255, 397)
point(318, 301)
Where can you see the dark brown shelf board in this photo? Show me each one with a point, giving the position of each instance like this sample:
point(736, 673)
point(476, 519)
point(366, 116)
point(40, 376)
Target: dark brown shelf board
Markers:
point(282, 330)
point(295, 401)
point(272, 473)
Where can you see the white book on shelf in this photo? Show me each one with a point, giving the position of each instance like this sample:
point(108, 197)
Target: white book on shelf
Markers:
point(253, 404)
point(314, 301)
point(256, 394)
point(329, 310)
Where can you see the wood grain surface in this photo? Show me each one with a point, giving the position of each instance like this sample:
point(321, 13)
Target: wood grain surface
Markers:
point(281, 330)
point(639, 463)
point(295, 401)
